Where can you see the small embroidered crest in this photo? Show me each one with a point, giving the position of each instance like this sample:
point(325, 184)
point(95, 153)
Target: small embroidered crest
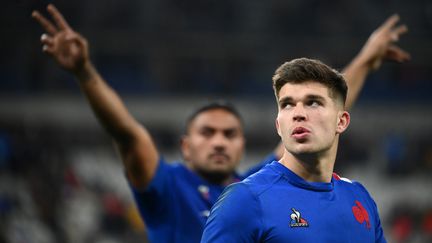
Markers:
point(297, 220)
point(360, 214)
point(204, 191)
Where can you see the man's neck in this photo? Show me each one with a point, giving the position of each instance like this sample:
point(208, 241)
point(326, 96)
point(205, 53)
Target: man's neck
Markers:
point(221, 179)
point(217, 179)
point(317, 167)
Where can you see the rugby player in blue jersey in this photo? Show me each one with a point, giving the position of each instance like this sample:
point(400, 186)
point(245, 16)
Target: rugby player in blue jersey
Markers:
point(175, 198)
point(299, 198)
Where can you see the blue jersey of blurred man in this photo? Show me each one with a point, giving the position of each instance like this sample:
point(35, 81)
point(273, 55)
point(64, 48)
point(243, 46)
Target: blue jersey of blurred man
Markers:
point(176, 204)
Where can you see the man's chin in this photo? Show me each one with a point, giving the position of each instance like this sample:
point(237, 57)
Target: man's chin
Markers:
point(221, 169)
point(302, 150)
point(217, 175)
point(221, 166)
point(219, 163)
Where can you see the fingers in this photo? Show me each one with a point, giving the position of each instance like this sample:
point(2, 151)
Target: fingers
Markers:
point(74, 37)
point(47, 44)
point(48, 49)
point(45, 23)
point(58, 17)
point(397, 54)
point(46, 40)
point(391, 29)
point(48, 26)
point(401, 29)
point(382, 44)
point(396, 32)
point(390, 22)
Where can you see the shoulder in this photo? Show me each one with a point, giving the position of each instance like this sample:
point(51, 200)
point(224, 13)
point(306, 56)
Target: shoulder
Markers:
point(345, 182)
point(237, 208)
point(353, 185)
point(175, 168)
point(337, 177)
point(165, 172)
point(236, 201)
point(263, 180)
point(234, 192)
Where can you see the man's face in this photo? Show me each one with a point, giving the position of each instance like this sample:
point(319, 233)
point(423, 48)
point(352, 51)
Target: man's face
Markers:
point(309, 120)
point(214, 143)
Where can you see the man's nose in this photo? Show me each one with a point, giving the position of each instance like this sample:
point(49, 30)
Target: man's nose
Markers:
point(299, 113)
point(219, 141)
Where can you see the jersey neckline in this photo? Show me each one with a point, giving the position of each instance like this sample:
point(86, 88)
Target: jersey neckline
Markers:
point(300, 182)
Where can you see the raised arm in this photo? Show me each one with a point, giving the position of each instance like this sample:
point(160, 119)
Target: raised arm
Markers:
point(70, 50)
point(379, 47)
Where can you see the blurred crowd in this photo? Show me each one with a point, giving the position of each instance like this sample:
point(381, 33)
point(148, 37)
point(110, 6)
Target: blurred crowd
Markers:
point(212, 47)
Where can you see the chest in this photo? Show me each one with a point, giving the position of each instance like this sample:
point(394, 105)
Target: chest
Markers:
point(318, 217)
point(194, 201)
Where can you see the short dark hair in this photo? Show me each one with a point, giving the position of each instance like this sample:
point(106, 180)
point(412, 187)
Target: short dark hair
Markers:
point(303, 70)
point(214, 105)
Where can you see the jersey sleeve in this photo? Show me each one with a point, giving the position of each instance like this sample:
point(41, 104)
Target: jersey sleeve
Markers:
point(379, 233)
point(236, 217)
point(152, 201)
point(267, 160)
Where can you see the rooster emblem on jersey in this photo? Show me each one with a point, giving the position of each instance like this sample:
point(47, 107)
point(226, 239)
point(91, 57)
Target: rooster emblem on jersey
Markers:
point(297, 220)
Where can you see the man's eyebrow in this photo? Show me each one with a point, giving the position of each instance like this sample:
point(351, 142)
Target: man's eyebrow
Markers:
point(285, 99)
point(310, 97)
point(230, 129)
point(207, 127)
point(212, 128)
point(315, 97)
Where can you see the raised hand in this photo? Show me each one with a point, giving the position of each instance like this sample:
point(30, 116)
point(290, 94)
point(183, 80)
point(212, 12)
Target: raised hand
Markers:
point(379, 47)
point(67, 47)
point(381, 44)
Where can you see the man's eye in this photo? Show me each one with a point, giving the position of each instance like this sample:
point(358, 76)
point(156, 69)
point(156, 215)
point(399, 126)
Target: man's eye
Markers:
point(286, 105)
point(206, 132)
point(231, 133)
point(314, 103)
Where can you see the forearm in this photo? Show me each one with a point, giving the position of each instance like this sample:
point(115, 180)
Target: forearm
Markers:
point(355, 75)
point(70, 50)
point(106, 104)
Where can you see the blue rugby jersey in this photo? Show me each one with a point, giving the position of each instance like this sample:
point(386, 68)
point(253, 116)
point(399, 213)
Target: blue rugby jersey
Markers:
point(276, 205)
point(176, 203)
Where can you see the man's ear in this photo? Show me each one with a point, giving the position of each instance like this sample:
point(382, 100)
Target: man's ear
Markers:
point(184, 145)
point(277, 127)
point(344, 119)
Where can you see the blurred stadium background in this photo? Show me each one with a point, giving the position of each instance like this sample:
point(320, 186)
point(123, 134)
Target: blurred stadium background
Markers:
point(60, 178)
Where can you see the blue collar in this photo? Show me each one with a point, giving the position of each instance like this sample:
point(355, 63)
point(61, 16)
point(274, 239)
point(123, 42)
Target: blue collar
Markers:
point(300, 182)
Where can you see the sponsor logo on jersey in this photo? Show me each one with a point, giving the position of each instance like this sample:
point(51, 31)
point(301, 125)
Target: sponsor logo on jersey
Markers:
point(205, 213)
point(204, 191)
point(360, 214)
point(297, 220)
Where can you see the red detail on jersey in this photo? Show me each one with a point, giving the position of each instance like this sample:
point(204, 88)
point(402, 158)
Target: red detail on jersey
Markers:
point(360, 214)
point(336, 176)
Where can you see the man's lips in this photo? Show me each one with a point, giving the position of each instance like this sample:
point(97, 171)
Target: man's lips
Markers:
point(219, 156)
point(300, 132)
